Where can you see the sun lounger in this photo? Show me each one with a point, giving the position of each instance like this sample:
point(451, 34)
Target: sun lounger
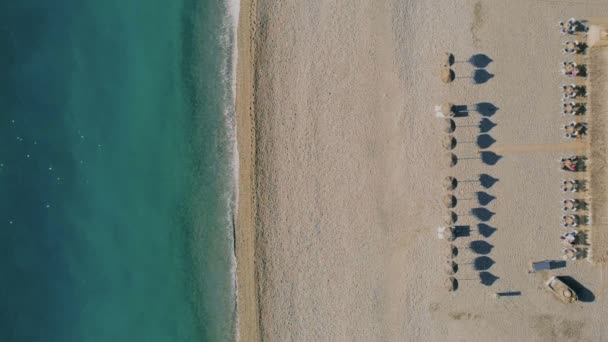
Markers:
point(539, 266)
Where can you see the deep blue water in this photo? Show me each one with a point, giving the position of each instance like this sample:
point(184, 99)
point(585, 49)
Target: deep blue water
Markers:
point(115, 171)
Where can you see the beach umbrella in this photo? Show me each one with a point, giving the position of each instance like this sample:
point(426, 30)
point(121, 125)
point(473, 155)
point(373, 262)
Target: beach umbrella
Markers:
point(448, 109)
point(450, 126)
point(452, 159)
point(449, 233)
point(450, 218)
point(447, 59)
point(448, 142)
point(447, 75)
point(449, 183)
point(449, 200)
point(450, 267)
point(450, 284)
point(452, 251)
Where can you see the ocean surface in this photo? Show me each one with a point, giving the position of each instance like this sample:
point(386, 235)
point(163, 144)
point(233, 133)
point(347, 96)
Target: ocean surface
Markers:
point(117, 164)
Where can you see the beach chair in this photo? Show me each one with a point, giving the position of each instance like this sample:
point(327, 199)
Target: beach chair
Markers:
point(539, 266)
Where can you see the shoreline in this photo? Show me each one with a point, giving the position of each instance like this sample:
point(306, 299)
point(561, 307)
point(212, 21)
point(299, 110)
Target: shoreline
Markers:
point(247, 319)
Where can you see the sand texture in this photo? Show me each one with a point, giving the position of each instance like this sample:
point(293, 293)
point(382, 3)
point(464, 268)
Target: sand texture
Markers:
point(598, 86)
point(338, 240)
point(247, 299)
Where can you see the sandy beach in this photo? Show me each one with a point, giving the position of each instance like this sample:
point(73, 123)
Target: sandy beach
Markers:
point(247, 300)
point(341, 170)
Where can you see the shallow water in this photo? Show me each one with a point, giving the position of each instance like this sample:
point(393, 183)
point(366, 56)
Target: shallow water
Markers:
point(116, 171)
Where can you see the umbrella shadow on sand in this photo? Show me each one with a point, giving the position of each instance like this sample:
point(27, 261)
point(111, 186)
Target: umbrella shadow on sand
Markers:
point(463, 231)
point(487, 181)
point(482, 214)
point(490, 158)
point(484, 198)
point(481, 76)
point(480, 247)
point(487, 278)
point(485, 140)
point(460, 111)
point(480, 60)
point(485, 125)
point(485, 230)
point(486, 109)
point(483, 263)
point(486, 157)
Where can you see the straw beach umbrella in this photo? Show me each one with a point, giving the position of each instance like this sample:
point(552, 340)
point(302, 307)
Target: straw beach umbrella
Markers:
point(449, 233)
point(450, 126)
point(450, 284)
point(450, 267)
point(448, 142)
point(450, 218)
point(450, 183)
point(452, 159)
point(448, 109)
point(449, 201)
point(452, 251)
point(447, 59)
point(447, 75)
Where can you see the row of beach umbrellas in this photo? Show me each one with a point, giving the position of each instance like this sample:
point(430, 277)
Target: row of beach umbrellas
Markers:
point(447, 74)
point(447, 111)
point(449, 183)
point(449, 233)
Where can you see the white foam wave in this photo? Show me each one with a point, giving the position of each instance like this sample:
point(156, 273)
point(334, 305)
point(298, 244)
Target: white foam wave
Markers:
point(228, 69)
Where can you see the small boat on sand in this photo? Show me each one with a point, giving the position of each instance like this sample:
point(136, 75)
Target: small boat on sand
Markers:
point(561, 290)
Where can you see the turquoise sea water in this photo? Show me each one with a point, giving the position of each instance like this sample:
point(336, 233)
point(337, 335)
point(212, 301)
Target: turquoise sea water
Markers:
point(116, 170)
